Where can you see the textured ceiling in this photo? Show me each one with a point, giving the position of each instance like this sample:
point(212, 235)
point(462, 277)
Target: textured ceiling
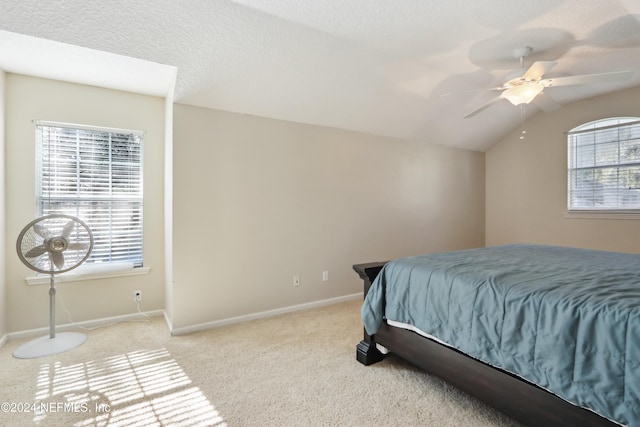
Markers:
point(374, 66)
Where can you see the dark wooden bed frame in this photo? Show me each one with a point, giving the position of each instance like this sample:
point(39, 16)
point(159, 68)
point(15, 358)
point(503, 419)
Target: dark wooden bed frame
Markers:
point(521, 400)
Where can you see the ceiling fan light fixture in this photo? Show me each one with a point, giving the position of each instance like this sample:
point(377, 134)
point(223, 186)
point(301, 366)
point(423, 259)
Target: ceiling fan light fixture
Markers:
point(522, 93)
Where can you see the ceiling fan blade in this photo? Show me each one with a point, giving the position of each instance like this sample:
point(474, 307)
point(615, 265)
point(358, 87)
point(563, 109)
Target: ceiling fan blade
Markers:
point(58, 259)
point(41, 231)
point(68, 228)
point(587, 79)
point(471, 90)
point(77, 246)
point(484, 107)
point(545, 102)
point(538, 69)
point(36, 252)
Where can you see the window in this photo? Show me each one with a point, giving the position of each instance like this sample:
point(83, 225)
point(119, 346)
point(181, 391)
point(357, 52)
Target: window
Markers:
point(96, 175)
point(604, 165)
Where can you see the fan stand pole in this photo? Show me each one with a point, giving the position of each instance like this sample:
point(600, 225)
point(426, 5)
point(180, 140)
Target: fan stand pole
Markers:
point(52, 309)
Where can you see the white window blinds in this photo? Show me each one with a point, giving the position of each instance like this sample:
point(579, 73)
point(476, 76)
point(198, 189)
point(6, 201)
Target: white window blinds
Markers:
point(604, 165)
point(96, 175)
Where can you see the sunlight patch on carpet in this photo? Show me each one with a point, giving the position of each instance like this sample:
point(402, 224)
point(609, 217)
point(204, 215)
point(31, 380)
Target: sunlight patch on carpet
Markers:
point(145, 388)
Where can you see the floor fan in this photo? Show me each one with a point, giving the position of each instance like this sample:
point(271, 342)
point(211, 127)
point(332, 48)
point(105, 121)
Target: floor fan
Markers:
point(53, 244)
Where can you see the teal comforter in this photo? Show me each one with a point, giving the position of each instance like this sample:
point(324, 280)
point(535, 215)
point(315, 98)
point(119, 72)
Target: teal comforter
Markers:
point(565, 319)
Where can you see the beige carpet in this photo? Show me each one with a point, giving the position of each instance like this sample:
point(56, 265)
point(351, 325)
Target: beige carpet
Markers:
point(297, 369)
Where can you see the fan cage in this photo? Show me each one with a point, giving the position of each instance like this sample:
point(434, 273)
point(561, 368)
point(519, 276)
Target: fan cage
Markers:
point(80, 240)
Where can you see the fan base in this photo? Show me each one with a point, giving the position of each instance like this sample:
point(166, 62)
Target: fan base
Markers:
point(46, 346)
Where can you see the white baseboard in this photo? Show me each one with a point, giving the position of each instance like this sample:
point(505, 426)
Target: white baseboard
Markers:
point(86, 324)
point(261, 315)
point(183, 330)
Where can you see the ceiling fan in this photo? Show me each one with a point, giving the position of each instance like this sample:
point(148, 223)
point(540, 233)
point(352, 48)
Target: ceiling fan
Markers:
point(526, 85)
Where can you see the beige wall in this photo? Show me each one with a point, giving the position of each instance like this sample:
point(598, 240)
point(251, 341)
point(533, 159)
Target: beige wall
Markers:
point(257, 201)
point(29, 99)
point(3, 311)
point(527, 182)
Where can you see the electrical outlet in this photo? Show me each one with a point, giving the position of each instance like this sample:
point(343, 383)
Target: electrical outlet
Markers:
point(296, 280)
point(137, 296)
point(325, 276)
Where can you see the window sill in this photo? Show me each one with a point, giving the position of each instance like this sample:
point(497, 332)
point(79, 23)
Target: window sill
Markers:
point(87, 274)
point(602, 215)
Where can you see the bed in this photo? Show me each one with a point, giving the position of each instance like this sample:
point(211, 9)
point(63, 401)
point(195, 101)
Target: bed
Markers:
point(548, 335)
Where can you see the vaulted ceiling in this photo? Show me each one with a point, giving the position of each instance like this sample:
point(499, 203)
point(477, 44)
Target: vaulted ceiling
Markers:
point(373, 66)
